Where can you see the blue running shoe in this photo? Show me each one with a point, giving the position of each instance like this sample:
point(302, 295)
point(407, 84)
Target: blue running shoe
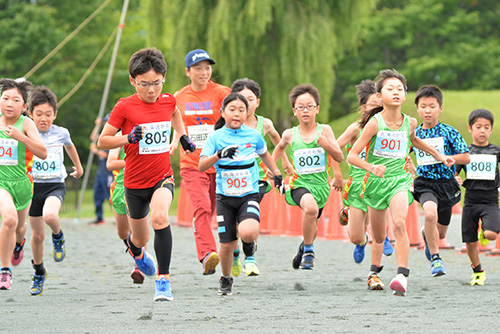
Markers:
point(147, 264)
point(359, 251)
point(307, 262)
point(427, 251)
point(388, 249)
point(163, 290)
point(437, 268)
point(59, 251)
point(37, 284)
point(298, 257)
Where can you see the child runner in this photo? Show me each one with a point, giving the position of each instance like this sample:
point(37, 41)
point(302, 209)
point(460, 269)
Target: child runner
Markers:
point(231, 149)
point(49, 187)
point(147, 117)
point(116, 163)
point(369, 105)
point(17, 135)
point(387, 184)
point(436, 188)
point(481, 194)
point(251, 91)
point(199, 104)
point(311, 143)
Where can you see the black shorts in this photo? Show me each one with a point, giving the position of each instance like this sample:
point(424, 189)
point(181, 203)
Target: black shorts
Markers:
point(447, 192)
point(263, 186)
point(297, 196)
point(233, 210)
point(137, 200)
point(42, 191)
point(444, 213)
point(489, 215)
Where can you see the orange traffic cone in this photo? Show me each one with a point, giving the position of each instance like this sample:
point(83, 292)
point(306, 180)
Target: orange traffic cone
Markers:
point(268, 208)
point(495, 251)
point(334, 231)
point(413, 226)
point(184, 208)
point(444, 244)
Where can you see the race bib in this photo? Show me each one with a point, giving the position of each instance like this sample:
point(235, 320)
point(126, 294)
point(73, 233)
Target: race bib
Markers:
point(482, 167)
point(199, 133)
point(8, 152)
point(236, 182)
point(391, 144)
point(50, 168)
point(309, 160)
point(156, 138)
point(424, 158)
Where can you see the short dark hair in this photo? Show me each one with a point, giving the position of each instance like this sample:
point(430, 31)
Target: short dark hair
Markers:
point(304, 89)
point(429, 91)
point(480, 113)
point(364, 90)
point(145, 60)
point(389, 74)
point(240, 84)
point(41, 95)
point(22, 86)
point(228, 99)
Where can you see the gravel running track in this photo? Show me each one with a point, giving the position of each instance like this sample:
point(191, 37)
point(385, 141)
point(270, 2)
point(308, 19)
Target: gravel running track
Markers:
point(91, 291)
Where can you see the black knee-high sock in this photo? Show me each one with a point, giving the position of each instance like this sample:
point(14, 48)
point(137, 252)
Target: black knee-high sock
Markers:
point(163, 249)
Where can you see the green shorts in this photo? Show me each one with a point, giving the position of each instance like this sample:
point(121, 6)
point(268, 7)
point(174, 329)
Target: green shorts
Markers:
point(352, 195)
point(319, 192)
point(379, 191)
point(21, 191)
point(117, 198)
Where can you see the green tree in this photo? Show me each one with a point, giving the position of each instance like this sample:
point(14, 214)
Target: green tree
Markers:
point(278, 43)
point(450, 43)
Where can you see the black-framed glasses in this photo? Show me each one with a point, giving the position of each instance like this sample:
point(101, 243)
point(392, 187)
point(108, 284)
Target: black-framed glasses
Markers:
point(308, 107)
point(145, 84)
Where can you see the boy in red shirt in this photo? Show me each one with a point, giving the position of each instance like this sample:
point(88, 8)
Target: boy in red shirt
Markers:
point(146, 119)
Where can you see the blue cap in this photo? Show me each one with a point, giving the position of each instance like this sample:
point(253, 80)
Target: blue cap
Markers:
point(195, 56)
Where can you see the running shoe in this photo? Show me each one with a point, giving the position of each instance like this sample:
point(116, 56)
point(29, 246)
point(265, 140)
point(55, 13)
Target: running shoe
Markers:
point(298, 257)
point(307, 262)
point(426, 250)
point(374, 282)
point(437, 268)
point(137, 276)
point(97, 222)
point(209, 263)
point(481, 238)
point(163, 290)
point(37, 284)
point(388, 249)
point(399, 285)
point(146, 263)
point(478, 278)
point(59, 251)
point(18, 254)
point(5, 279)
point(226, 286)
point(344, 216)
point(236, 268)
point(359, 251)
point(251, 268)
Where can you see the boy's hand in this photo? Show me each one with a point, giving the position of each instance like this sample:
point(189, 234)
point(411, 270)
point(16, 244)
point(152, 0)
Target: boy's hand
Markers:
point(187, 144)
point(323, 140)
point(448, 161)
point(13, 132)
point(136, 134)
point(338, 183)
point(77, 172)
point(459, 180)
point(287, 168)
point(227, 152)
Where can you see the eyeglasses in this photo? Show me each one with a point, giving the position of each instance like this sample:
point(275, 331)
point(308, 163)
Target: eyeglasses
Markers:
point(309, 107)
point(145, 84)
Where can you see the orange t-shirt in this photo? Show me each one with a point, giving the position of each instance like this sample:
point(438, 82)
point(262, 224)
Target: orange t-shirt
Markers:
point(200, 111)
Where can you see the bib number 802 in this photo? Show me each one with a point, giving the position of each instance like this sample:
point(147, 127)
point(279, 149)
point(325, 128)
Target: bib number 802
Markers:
point(309, 161)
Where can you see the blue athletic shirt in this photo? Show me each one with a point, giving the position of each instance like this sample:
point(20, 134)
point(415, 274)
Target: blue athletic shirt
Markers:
point(448, 141)
point(51, 169)
point(239, 176)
